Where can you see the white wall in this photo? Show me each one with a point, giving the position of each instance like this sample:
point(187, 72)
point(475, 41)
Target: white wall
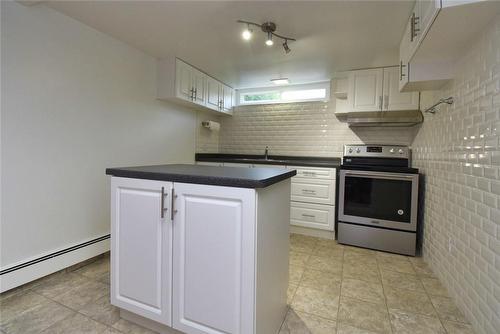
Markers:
point(458, 151)
point(74, 101)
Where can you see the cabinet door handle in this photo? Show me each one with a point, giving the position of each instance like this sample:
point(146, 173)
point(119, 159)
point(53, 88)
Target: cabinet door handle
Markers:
point(195, 94)
point(162, 206)
point(308, 216)
point(172, 210)
point(309, 191)
point(380, 102)
point(413, 29)
point(386, 102)
point(192, 94)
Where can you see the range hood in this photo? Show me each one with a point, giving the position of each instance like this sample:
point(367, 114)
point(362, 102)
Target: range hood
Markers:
point(385, 118)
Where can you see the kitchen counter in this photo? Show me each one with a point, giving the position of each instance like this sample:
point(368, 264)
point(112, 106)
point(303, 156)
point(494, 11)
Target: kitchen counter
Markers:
point(219, 176)
point(330, 162)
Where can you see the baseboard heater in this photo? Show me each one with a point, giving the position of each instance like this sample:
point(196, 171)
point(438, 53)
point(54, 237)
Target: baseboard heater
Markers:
point(30, 270)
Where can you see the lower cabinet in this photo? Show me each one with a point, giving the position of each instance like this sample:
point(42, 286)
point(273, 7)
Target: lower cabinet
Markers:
point(141, 243)
point(312, 215)
point(198, 258)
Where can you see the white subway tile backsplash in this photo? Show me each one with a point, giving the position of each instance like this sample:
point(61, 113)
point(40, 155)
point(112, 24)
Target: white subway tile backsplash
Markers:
point(457, 149)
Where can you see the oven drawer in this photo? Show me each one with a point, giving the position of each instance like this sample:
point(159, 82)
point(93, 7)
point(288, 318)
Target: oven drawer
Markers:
point(314, 172)
point(313, 191)
point(318, 216)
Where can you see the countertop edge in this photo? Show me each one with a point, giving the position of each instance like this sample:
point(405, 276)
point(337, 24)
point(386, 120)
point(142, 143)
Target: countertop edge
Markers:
point(331, 162)
point(207, 180)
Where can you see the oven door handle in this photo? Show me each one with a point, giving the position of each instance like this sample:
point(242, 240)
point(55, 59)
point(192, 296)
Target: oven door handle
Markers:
point(381, 175)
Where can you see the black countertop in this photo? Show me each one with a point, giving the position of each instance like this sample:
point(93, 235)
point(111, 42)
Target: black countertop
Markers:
point(219, 176)
point(329, 162)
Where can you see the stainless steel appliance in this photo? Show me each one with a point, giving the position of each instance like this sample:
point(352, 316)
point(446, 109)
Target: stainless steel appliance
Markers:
point(377, 198)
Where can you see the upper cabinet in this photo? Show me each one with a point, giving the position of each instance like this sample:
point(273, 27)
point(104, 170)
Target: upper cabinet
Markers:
point(378, 90)
point(182, 83)
point(436, 34)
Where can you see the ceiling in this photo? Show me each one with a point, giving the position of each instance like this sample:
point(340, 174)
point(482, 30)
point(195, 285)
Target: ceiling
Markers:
point(331, 35)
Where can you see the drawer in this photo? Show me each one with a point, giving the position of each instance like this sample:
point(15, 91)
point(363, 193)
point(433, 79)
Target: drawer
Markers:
point(206, 163)
point(313, 191)
point(312, 215)
point(314, 172)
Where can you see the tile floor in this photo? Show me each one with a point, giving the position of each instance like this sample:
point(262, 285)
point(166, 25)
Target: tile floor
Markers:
point(333, 289)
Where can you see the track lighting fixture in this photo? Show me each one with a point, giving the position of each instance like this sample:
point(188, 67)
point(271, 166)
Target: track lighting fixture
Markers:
point(269, 28)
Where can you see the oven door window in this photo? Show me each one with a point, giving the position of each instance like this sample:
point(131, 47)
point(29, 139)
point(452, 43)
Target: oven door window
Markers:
point(378, 198)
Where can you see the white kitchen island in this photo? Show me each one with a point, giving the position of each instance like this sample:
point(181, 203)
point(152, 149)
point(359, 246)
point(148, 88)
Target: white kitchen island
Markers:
point(199, 249)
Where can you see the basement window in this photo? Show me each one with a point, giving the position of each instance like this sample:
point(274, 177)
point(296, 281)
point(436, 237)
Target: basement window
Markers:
point(287, 94)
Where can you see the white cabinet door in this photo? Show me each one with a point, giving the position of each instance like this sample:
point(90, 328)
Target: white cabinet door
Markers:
point(365, 90)
point(227, 103)
point(199, 85)
point(213, 94)
point(428, 11)
point(214, 264)
point(141, 239)
point(393, 99)
point(183, 80)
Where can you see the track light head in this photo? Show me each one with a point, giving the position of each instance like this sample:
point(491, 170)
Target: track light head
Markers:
point(286, 47)
point(247, 33)
point(269, 41)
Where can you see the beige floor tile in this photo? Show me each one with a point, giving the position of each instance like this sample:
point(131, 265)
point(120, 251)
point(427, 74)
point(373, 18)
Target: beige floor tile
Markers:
point(321, 280)
point(366, 291)
point(303, 323)
point(393, 279)
point(364, 315)
point(102, 311)
point(290, 293)
point(76, 324)
point(361, 271)
point(408, 323)
point(301, 245)
point(12, 292)
point(391, 256)
point(329, 264)
point(447, 310)
point(328, 251)
point(59, 284)
point(97, 270)
point(457, 328)
point(80, 296)
point(421, 268)
point(329, 243)
point(18, 304)
point(316, 302)
point(298, 259)
point(295, 274)
point(398, 265)
point(128, 327)
point(346, 329)
point(37, 318)
point(359, 251)
point(360, 259)
point(434, 287)
point(409, 301)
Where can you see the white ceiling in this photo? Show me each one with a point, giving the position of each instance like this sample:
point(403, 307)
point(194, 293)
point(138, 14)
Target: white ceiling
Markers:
point(331, 35)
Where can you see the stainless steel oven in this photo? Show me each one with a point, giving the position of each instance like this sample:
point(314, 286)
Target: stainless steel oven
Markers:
point(379, 199)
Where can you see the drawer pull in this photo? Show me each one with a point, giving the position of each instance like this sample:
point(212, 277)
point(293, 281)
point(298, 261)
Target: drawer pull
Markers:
point(309, 191)
point(309, 173)
point(308, 216)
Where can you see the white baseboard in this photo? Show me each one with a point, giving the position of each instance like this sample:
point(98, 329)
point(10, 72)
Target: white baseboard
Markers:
point(312, 232)
point(51, 265)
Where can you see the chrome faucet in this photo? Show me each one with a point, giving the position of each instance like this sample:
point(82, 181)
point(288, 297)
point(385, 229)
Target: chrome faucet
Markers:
point(266, 153)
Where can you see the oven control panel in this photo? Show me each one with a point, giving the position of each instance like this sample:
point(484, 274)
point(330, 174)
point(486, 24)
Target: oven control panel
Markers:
point(379, 151)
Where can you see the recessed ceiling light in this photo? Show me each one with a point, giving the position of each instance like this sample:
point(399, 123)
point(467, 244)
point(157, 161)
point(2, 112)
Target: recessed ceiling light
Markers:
point(280, 81)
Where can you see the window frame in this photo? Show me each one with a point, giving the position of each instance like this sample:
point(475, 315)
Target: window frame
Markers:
point(281, 89)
